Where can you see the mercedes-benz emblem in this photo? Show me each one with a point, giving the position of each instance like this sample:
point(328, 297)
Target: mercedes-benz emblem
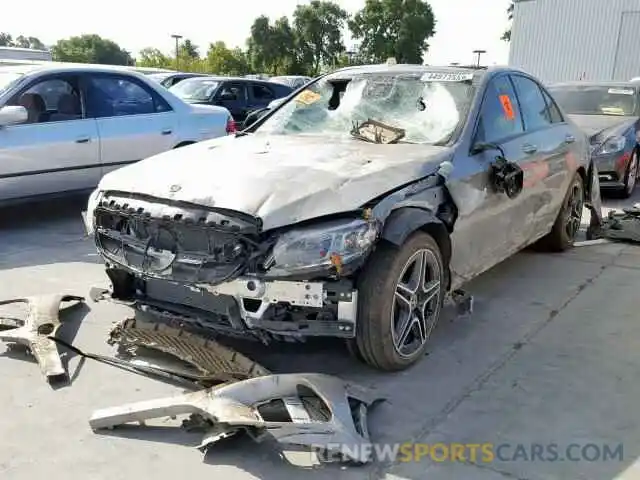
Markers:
point(174, 188)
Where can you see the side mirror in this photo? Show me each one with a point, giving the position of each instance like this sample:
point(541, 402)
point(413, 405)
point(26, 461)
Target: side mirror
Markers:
point(507, 177)
point(13, 115)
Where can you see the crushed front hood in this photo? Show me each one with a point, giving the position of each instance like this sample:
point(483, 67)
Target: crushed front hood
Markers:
point(281, 179)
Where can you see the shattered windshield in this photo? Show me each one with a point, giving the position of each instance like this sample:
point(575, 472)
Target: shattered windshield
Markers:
point(595, 100)
point(416, 107)
point(195, 89)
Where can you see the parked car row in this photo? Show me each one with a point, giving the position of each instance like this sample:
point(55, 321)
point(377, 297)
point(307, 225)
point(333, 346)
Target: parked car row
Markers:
point(351, 208)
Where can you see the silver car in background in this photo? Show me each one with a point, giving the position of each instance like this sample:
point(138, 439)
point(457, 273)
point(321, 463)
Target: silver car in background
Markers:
point(62, 128)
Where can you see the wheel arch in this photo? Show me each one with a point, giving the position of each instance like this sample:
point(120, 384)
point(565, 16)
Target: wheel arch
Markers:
point(402, 222)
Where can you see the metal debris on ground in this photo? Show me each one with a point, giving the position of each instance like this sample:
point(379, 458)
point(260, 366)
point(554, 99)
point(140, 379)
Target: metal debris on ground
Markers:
point(590, 243)
point(42, 322)
point(303, 410)
point(209, 357)
point(622, 226)
point(462, 301)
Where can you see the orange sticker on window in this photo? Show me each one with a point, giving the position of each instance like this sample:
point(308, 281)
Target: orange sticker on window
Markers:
point(507, 107)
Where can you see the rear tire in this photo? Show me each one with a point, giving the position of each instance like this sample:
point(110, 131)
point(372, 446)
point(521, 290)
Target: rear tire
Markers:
point(401, 291)
point(567, 223)
point(630, 177)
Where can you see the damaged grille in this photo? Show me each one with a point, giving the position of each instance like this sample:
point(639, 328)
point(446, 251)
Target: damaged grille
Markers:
point(175, 240)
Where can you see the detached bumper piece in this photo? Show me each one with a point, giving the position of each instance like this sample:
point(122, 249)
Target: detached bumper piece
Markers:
point(210, 358)
point(316, 411)
point(622, 227)
point(42, 322)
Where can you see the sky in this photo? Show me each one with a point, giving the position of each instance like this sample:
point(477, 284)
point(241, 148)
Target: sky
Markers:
point(461, 25)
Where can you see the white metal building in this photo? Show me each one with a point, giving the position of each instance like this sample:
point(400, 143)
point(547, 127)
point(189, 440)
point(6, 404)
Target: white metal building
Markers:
point(563, 40)
point(16, 53)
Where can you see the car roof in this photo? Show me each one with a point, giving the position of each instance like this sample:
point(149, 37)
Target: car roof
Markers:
point(222, 78)
point(478, 73)
point(594, 84)
point(56, 67)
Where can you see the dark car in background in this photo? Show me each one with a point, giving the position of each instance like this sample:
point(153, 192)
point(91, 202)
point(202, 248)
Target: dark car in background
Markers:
point(608, 113)
point(293, 81)
point(168, 80)
point(238, 95)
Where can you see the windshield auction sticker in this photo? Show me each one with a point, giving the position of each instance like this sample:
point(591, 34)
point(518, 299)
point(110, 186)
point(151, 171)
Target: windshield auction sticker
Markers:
point(308, 97)
point(446, 77)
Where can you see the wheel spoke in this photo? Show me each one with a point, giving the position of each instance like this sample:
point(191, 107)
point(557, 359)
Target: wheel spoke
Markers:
point(404, 330)
point(431, 290)
point(404, 294)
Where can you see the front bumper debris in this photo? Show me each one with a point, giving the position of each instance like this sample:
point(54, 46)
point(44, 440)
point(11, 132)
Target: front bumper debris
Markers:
point(210, 358)
point(622, 226)
point(246, 306)
point(325, 413)
point(42, 322)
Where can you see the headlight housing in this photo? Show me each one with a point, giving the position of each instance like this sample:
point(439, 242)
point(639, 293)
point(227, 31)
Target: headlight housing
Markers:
point(318, 247)
point(92, 204)
point(611, 145)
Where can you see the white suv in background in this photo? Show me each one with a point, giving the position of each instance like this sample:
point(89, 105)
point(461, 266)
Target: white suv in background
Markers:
point(62, 127)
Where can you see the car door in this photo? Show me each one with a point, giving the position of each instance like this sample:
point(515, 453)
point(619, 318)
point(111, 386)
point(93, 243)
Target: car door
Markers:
point(134, 122)
point(490, 225)
point(233, 96)
point(56, 149)
point(550, 149)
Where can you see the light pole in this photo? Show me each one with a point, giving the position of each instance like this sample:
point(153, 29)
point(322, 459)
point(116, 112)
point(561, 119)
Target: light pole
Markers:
point(177, 39)
point(479, 53)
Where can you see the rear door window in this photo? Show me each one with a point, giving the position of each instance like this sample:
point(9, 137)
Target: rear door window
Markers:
point(116, 95)
point(535, 110)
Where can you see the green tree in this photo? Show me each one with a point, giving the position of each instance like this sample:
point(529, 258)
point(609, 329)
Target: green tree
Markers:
point(29, 42)
point(188, 50)
point(90, 48)
point(6, 39)
point(286, 60)
point(261, 46)
point(506, 36)
point(318, 27)
point(394, 28)
point(153, 58)
point(224, 61)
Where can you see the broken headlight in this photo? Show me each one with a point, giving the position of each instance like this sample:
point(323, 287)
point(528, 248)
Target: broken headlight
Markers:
point(92, 204)
point(331, 244)
point(611, 145)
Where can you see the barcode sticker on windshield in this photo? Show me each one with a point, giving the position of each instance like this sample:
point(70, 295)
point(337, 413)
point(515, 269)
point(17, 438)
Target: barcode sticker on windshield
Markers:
point(621, 91)
point(307, 97)
point(446, 77)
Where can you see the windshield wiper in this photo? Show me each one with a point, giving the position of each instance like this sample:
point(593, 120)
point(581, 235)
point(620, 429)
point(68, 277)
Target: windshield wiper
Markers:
point(373, 131)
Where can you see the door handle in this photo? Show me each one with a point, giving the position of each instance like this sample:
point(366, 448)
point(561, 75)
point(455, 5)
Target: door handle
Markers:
point(83, 140)
point(166, 131)
point(529, 149)
point(569, 139)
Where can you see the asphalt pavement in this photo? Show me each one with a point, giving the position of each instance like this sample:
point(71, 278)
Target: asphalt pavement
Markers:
point(549, 356)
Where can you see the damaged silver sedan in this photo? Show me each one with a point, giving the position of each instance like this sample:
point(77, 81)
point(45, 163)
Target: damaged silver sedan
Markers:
point(350, 210)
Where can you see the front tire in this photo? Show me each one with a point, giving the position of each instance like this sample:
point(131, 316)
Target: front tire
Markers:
point(401, 291)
